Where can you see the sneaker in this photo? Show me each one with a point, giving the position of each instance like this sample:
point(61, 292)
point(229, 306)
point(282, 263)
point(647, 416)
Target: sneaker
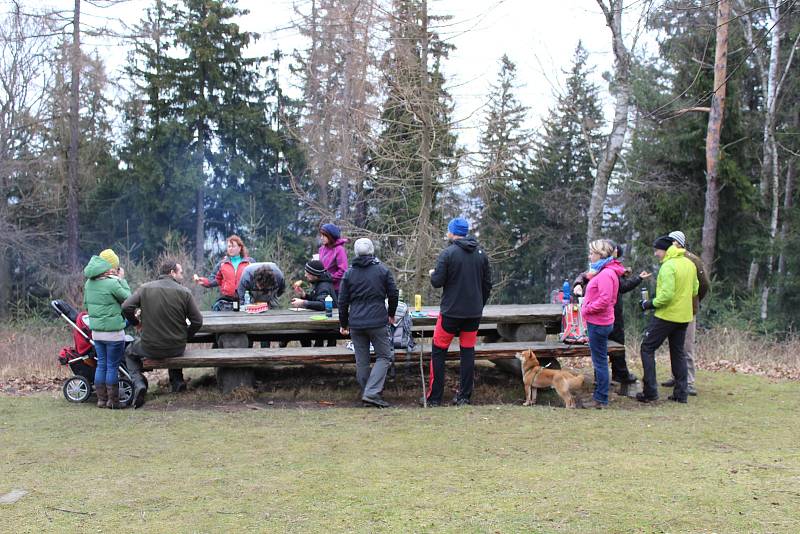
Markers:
point(690, 389)
point(641, 397)
point(375, 401)
point(676, 399)
point(461, 402)
point(669, 383)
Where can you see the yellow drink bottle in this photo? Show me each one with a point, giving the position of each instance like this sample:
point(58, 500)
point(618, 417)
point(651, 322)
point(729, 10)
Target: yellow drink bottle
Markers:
point(418, 303)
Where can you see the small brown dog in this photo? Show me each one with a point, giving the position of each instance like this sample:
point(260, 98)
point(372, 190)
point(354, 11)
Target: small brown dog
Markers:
point(535, 376)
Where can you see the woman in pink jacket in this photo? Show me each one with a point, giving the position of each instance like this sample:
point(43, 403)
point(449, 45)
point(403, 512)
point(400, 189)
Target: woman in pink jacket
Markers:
point(332, 253)
point(598, 312)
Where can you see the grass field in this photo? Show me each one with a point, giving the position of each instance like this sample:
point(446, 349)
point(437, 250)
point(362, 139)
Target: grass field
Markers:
point(727, 462)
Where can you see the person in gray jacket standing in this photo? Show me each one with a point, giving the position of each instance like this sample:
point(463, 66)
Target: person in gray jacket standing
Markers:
point(366, 288)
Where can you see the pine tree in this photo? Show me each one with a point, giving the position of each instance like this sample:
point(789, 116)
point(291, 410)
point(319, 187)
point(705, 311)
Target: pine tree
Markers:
point(205, 125)
point(564, 158)
point(156, 153)
point(503, 153)
point(218, 99)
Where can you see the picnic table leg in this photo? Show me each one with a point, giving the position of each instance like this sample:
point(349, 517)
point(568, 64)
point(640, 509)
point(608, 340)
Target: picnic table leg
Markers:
point(230, 378)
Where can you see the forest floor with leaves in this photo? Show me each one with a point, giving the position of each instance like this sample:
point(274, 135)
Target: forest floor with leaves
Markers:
point(726, 462)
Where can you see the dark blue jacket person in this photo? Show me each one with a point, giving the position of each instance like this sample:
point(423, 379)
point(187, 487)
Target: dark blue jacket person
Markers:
point(462, 271)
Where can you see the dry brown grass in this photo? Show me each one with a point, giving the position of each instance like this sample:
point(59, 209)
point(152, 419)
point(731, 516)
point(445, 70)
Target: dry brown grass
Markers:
point(31, 349)
point(737, 351)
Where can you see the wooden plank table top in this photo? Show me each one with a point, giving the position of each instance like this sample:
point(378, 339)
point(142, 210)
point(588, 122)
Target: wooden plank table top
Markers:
point(277, 321)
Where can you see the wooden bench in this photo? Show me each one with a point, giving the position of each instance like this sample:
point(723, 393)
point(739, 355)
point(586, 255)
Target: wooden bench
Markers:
point(234, 365)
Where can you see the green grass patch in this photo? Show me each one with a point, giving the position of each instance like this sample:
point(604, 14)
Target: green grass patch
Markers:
point(726, 462)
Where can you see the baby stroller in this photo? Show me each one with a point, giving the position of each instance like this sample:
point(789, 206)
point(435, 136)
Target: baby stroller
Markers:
point(82, 358)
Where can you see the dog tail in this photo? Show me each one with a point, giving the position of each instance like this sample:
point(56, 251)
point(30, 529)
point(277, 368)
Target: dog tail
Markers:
point(575, 382)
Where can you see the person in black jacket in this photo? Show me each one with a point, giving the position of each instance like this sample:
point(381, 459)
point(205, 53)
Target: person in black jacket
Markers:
point(321, 288)
point(627, 283)
point(462, 270)
point(363, 315)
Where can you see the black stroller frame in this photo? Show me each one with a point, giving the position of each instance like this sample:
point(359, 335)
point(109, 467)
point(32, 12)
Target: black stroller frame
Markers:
point(80, 387)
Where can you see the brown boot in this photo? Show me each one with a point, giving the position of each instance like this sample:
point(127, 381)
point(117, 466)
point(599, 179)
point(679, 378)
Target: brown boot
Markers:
point(113, 397)
point(102, 395)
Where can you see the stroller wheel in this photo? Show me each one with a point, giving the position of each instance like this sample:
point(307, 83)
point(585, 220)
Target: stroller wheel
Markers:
point(125, 391)
point(77, 389)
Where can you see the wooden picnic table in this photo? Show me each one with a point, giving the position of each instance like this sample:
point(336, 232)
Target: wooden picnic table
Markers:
point(238, 330)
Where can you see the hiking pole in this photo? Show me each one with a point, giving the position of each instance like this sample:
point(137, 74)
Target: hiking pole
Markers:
point(422, 372)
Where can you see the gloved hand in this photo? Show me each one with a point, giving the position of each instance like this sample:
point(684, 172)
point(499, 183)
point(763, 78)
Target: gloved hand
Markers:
point(647, 305)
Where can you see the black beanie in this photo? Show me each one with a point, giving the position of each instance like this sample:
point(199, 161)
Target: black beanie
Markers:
point(662, 243)
point(315, 267)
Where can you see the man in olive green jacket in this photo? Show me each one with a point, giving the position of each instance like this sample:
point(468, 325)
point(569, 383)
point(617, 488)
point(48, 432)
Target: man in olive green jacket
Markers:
point(165, 307)
point(676, 288)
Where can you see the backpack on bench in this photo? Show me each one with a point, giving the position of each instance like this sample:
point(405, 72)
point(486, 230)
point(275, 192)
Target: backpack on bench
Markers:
point(402, 337)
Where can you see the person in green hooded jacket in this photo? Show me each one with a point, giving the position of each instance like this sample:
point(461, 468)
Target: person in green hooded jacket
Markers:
point(103, 294)
point(676, 289)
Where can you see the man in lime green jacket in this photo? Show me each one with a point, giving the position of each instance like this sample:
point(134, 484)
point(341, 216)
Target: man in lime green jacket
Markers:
point(676, 288)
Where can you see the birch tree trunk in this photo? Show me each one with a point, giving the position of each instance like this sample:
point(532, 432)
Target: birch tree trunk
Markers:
point(788, 193)
point(73, 182)
point(622, 105)
point(711, 212)
point(770, 170)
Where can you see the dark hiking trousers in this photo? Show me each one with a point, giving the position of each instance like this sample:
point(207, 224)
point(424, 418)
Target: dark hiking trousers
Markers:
point(656, 332)
point(619, 367)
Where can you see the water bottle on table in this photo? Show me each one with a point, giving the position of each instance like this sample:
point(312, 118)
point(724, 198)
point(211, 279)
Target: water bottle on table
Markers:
point(328, 306)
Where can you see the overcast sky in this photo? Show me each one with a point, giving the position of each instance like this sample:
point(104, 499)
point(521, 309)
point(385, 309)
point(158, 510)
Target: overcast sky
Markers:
point(540, 36)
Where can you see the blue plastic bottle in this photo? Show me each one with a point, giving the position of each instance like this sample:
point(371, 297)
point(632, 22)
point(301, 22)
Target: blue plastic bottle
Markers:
point(566, 290)
point(328, 306)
